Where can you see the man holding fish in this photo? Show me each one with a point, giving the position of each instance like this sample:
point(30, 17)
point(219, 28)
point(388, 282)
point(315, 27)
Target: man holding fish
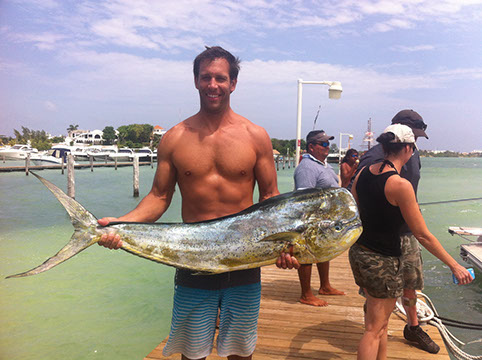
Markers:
point(216, 157)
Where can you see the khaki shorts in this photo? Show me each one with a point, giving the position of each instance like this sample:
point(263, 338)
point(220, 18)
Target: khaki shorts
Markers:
point(380, 275)
point(412, 262)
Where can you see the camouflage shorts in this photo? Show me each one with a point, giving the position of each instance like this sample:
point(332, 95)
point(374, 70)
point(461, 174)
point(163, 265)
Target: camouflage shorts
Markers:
point(380, 275)
point(412, 262)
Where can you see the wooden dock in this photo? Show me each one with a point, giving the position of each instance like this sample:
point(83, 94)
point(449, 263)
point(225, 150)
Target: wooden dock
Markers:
point(290, 330)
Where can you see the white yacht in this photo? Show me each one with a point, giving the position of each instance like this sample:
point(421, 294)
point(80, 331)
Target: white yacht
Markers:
point(17, 152)
point(145, 154)
point(54, 156)
point(124, 154)
point(80, 153)
point(101, 153)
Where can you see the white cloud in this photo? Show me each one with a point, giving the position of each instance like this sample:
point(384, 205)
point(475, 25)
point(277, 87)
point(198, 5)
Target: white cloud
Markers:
point(415, 48)
point(42, 41)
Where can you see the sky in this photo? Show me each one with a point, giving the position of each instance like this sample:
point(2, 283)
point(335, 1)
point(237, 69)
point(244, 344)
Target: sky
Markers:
point(120, 62)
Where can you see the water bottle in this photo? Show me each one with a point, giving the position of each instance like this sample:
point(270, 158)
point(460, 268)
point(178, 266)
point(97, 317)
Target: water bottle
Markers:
point(471, 272)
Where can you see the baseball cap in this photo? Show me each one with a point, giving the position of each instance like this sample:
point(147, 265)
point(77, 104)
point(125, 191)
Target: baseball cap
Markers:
point(403, 134)
point(317, 135)
point(413, 120)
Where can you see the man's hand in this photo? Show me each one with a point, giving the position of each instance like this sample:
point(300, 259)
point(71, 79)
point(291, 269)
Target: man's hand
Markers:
point(287, 261)
point(110, 240)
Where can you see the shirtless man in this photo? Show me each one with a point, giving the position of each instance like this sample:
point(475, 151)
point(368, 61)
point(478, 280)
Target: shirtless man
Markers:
point(216, 156)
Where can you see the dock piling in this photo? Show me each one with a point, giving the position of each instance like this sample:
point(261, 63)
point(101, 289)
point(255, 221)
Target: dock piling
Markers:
point(27, 164)
point(135, 166)
point(70, 176)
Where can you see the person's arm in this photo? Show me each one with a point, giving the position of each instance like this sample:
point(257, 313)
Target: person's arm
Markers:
point(154, 204)
point(264, 169)
point(265, 174)
point(400, 193)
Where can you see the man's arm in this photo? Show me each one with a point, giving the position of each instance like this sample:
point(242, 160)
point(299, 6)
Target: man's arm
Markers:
point(154, 204)
point(264, 169)
point(265, 174)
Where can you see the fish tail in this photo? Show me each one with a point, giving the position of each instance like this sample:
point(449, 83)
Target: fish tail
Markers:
point(83, 237)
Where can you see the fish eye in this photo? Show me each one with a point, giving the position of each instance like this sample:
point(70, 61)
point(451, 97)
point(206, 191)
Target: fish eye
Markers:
point(337, 227)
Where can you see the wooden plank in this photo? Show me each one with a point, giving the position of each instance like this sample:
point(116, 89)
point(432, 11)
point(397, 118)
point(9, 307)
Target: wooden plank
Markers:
point(290, 330)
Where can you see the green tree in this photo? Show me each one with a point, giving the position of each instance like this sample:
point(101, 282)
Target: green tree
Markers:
point(136, 134)
point(38, 138)
point(109, 135)
point(334, 148)
point(72, 128)
point(286, 146)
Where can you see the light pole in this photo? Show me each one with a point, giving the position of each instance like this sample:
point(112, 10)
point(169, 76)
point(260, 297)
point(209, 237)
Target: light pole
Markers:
point(334, 92)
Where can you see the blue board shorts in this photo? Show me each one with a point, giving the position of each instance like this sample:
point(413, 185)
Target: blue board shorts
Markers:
point(194, 317)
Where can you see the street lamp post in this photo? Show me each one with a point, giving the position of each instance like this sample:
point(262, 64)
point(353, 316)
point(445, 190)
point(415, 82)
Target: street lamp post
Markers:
point(334, 92)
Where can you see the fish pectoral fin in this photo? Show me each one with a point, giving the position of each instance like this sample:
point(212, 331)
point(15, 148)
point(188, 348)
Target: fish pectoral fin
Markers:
point(287, 237)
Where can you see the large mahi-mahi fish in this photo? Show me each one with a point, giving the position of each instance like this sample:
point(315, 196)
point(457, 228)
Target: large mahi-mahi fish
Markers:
point(318, 224)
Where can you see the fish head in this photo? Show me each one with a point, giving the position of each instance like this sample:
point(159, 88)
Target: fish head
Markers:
point(331, 225)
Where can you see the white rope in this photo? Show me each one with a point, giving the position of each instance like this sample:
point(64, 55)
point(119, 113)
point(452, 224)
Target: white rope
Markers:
point(454, 349)
point(447, 336)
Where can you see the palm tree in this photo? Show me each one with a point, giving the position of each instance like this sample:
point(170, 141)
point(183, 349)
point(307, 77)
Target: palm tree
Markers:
point(72, 128)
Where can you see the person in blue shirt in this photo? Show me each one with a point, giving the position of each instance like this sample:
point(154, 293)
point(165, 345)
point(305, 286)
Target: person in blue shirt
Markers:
point(315, 172)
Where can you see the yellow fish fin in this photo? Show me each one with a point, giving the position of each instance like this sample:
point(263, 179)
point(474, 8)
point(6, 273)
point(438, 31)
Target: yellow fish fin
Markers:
point(290, 237)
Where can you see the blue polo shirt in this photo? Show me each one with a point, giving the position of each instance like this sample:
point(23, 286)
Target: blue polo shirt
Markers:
point(312, 173)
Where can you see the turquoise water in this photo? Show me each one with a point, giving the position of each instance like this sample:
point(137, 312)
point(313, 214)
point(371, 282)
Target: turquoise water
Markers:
point(109, 304)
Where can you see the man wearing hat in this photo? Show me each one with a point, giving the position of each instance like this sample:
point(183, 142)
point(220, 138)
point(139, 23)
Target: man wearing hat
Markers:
point(411, 256)
point(315, 172)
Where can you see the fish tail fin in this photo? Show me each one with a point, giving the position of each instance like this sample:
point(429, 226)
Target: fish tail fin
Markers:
point(82, 220)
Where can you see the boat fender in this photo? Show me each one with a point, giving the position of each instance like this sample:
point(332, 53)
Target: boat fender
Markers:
point(409, 301)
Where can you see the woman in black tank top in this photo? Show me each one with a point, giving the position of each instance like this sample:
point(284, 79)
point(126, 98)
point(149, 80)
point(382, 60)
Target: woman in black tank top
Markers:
point(386, 201)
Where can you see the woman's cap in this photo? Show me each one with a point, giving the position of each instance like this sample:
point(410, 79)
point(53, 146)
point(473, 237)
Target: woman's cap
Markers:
point(403, 134)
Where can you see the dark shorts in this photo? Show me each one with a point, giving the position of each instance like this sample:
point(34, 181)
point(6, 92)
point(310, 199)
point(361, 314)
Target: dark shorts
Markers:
point(412, 262)
point(380, 275)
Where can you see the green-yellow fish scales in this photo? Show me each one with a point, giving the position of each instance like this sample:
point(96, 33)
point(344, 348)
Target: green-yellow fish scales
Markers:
point(318, 224)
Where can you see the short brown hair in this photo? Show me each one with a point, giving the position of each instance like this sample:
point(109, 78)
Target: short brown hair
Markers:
point(217, 52)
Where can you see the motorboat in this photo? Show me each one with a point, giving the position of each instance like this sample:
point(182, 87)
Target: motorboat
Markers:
point(470, 253)
point(80, 153)
point(333, 158)
point(17, 152)
point(124, 154)
point(101, 153)
point(145, 154)
point(55, 156)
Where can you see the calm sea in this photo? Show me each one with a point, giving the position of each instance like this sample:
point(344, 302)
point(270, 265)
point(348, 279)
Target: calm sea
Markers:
point(111, 305)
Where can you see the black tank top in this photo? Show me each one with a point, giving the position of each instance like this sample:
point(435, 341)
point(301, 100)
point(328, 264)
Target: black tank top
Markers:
point(381, 220)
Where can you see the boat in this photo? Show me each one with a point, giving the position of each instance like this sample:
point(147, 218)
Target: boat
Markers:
point(55, 156)
point(333, 158)
point(80, 153)
point(145, 154)
point(470, 253)
point(17, 152)
point(101, 153)
point(124, 154)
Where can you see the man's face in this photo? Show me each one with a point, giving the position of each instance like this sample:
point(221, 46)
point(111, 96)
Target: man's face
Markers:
point(214, 85)
point(319, 151)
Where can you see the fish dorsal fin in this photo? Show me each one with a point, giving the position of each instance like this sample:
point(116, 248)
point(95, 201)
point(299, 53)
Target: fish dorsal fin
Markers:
point(78, 214)
point(289, 236)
